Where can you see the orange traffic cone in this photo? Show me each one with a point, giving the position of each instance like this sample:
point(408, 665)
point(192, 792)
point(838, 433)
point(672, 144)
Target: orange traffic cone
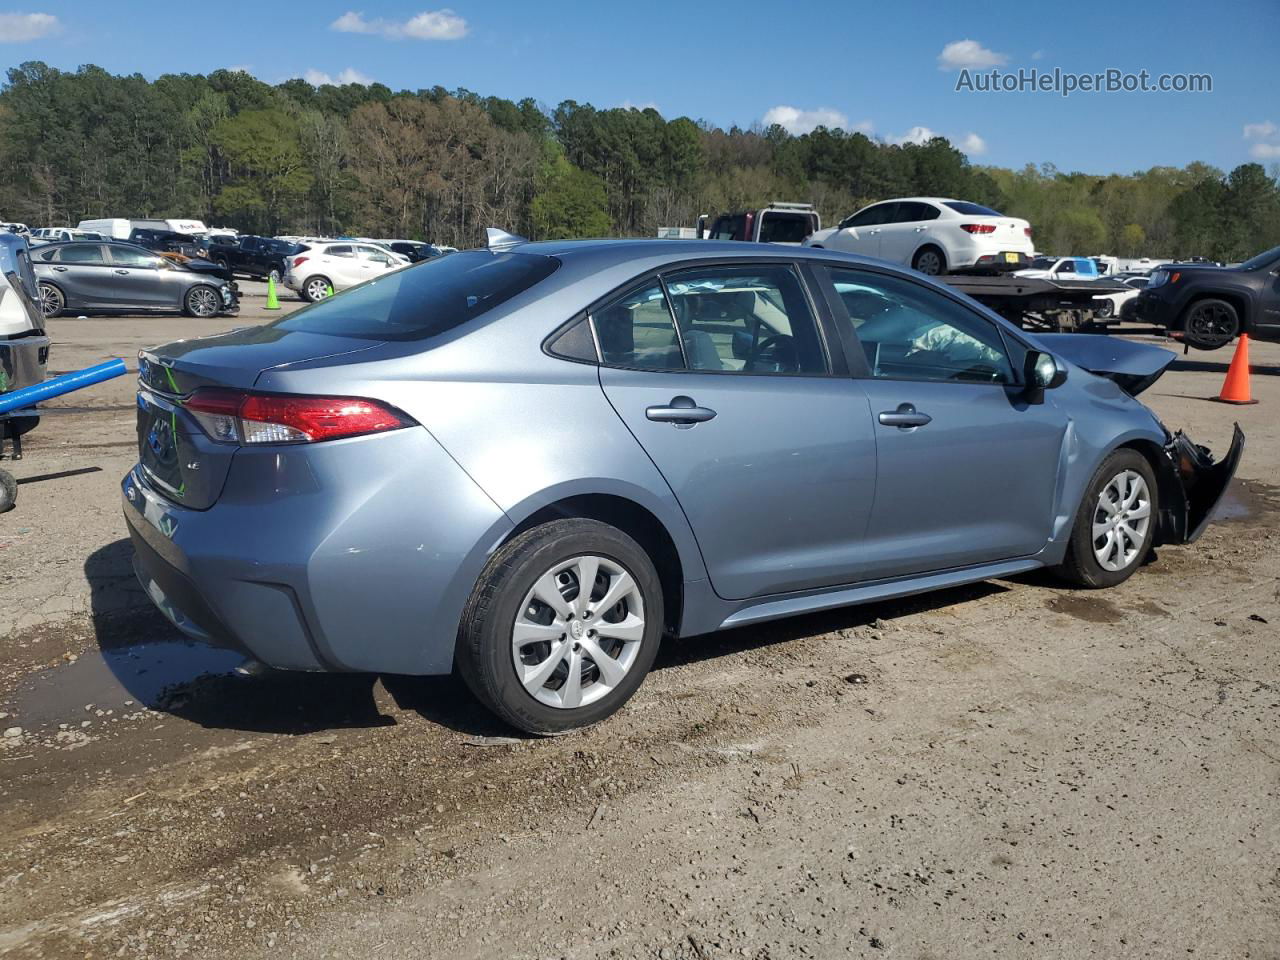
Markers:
point(1235, 389)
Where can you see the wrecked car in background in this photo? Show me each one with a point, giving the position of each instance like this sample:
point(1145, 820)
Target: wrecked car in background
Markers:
point(537, 460)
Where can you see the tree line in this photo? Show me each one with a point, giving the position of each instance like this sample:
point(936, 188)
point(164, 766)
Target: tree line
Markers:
point(441, 165)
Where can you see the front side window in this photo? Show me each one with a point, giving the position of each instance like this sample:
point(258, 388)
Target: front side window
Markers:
point(910, 332)
point(637, 331)
point(746, 319)
point(880, 213)
point(1066, 266)
point(727, 228)
point(89, 253)
point(130, 257)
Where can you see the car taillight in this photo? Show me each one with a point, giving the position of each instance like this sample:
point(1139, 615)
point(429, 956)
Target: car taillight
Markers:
point(231, 416)
point(978, 227)
point(298, 261)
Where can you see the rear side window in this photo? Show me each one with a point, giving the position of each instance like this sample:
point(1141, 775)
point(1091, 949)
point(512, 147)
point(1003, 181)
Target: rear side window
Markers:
point(342, 251)
point(967, 209)
point(785, 227)
point(81, 253)
point(636, 331)
point(424, 300)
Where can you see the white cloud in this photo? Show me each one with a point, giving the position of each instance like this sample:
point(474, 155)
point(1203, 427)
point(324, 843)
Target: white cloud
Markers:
point(1265, 151)
point(646, 105)
point(428, 25)
point(240, 68)
point(22, 27)
point(796, 121)
point(1260, 131)
point(1037, 55)
point(866, 126)
point(973, 145)
point(318, 78)
point(969, 53)
point(917, 135)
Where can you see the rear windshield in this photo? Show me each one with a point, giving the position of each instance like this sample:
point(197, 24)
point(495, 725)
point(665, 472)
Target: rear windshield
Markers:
point(965, 208)
point(426, 299)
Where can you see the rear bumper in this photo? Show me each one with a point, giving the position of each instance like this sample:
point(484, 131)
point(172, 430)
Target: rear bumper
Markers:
point(338, 559)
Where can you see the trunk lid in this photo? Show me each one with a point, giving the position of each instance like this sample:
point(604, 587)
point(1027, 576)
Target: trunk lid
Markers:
point(178, 458)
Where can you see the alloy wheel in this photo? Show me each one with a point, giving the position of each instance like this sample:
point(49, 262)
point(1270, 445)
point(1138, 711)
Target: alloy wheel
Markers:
point(578, 632)
point(50, 300)
point(929, 263)
point(1212, 325)
point(1121, 519)
point(317, 290)
point(203, 302)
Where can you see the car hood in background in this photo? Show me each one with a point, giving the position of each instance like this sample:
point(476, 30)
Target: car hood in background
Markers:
point(1134, 366)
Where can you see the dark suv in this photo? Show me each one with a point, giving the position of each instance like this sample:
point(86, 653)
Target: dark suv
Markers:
point(1209, 306)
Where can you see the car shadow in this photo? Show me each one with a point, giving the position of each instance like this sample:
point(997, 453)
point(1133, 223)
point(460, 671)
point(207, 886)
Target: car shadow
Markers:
point(1206, 366)
point(143, 658)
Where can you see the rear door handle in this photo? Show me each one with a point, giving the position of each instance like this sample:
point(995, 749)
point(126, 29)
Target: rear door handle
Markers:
point(905, 417)
point(61, 269)
point(681, 411)
point(123, 273)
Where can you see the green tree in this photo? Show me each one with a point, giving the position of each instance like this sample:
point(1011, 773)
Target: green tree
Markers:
point(267, 172)
point(570, 203)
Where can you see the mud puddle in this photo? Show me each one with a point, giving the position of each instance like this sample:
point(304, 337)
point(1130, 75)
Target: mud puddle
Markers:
point(144, 675)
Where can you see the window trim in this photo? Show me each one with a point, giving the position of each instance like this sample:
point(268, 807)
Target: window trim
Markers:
point(836, 364)
point(857, 357)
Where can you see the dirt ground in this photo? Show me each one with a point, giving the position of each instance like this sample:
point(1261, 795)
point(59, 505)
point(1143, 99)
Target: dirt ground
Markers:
point(1010, 769)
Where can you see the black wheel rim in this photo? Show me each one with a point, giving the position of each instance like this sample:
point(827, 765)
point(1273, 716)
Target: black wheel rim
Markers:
point(1211, 324)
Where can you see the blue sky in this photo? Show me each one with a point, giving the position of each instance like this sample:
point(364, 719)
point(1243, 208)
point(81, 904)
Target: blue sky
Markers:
point(889, 68)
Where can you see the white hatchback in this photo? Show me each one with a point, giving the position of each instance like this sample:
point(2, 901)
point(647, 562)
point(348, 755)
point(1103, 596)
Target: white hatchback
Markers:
point(932, 234)
point(323, 269)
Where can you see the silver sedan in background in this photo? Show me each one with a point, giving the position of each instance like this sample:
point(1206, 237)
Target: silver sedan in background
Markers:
point(113, 277)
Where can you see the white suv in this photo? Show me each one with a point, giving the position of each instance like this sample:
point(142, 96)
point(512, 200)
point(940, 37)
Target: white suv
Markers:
point(932, 234)
point(325, 268)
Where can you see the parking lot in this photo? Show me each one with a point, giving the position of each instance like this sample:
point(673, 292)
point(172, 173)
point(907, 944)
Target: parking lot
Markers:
point(1010, 769)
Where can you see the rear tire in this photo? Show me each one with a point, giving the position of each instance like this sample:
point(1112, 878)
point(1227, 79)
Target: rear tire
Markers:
point(1115, 524)
point(519, 655)
point(930, 261)
point(1105, 311)
point(1209, 324)
point(52, 302)
point(315, 289)
point(8, 491)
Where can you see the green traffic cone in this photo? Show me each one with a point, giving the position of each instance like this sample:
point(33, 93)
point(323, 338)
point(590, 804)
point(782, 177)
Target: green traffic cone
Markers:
point(329, 292)
point(273, 302)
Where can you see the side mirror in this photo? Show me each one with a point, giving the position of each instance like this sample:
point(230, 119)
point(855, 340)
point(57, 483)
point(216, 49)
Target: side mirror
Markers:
point(1041, 372)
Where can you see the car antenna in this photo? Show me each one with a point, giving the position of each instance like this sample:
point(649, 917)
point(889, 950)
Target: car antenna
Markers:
point(499, 240)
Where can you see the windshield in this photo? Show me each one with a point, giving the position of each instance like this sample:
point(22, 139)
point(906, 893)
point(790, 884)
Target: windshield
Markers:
point(1261, 260)
point(424, 300)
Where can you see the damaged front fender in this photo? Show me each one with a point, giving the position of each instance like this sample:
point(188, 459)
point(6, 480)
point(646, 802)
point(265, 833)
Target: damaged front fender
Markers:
point(1192, 483)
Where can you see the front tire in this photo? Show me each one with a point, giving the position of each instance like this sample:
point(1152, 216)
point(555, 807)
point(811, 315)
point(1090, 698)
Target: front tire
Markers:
point(930, 261)
point(1210, 324)
point(202, 302)
point(1116, 523)
point(1105, 310)
point(52, 302)
point(542, 654)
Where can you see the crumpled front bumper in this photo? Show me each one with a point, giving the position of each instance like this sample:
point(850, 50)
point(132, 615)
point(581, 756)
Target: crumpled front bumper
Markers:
point(1192, 485)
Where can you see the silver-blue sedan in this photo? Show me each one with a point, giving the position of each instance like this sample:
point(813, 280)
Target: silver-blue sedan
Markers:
point(535, 461)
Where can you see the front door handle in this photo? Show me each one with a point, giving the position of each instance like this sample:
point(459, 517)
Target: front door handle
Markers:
point(61, 269)
point(123, 273)
point(905, 417)
point(681, 411)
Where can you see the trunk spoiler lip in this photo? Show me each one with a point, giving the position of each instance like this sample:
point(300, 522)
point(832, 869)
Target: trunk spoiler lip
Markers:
point(1134, 366)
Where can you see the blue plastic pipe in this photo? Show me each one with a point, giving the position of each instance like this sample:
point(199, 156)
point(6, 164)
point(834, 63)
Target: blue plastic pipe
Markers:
point(30, 396)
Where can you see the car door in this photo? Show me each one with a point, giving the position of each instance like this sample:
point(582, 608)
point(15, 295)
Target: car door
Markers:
point(373, 261)
point(967, 470)
point(860, 233)
point(138, 280)
point(770, 455)
point(341, 266)
point(900, 236)
point(83, 274)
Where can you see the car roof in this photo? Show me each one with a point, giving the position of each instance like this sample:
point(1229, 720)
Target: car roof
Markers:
point(608, 251)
